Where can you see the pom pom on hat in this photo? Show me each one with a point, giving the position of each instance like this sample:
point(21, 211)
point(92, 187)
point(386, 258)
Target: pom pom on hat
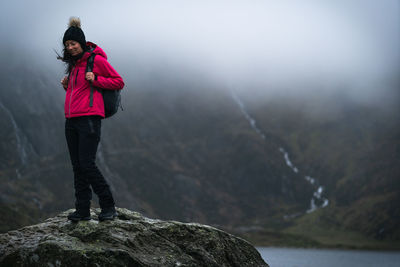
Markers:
point(74, 22)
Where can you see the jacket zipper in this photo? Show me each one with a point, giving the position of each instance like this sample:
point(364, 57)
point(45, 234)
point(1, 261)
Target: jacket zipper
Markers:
point(72, 90)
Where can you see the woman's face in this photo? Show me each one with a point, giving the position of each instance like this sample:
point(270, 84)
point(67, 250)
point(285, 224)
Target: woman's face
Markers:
point(73, 47)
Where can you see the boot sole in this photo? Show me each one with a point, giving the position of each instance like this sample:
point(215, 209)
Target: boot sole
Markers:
point(79, 219)
point(108, 218)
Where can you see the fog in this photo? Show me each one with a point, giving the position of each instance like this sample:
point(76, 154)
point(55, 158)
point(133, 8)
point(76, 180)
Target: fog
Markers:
point(253, 46)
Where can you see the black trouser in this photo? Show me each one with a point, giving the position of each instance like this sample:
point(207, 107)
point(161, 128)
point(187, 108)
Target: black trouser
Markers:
point(83, 136)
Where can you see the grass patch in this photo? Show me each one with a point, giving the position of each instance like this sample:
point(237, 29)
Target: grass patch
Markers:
point(327, 231)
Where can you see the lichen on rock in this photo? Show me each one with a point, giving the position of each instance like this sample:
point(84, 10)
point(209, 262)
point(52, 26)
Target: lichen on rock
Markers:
point(129, 240)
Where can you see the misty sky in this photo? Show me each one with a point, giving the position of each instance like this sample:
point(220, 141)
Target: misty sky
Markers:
point(267, 43)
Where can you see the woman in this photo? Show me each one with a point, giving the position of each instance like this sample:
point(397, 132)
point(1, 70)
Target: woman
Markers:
point(83, 121)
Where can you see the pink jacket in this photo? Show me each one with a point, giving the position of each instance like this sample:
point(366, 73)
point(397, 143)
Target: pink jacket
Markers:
point(78, 90)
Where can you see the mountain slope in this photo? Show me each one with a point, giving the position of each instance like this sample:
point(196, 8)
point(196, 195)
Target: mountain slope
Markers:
point(190, 149)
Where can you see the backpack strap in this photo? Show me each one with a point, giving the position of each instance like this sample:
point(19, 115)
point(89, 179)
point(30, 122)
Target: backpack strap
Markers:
point(89, 68)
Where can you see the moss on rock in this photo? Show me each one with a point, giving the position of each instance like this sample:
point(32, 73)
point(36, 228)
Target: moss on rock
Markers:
point(129, 240)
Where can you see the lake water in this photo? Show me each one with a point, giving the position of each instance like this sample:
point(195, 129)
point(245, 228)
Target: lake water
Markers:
point(297, 257)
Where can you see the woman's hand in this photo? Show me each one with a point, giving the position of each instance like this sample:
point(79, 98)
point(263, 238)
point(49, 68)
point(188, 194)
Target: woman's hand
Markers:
point(89, 76)
point(64, 82)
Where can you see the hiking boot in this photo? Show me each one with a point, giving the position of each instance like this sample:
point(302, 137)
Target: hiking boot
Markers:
point(107, 214)
point(77, 216)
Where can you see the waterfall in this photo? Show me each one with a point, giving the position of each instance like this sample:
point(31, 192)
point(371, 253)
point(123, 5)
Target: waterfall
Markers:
point(252, 121)
point(317, 195)
point(287, 160)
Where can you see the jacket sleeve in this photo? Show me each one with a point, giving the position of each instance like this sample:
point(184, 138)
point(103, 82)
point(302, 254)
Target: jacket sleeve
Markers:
point(107, 77)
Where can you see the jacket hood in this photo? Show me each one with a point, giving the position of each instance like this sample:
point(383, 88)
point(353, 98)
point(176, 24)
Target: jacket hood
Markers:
point(93, 48)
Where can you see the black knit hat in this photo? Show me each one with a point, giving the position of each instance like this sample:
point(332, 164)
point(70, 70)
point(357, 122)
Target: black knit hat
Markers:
point(74, 32)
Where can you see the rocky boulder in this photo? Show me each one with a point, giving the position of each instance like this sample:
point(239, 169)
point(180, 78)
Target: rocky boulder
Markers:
point(129, 240)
